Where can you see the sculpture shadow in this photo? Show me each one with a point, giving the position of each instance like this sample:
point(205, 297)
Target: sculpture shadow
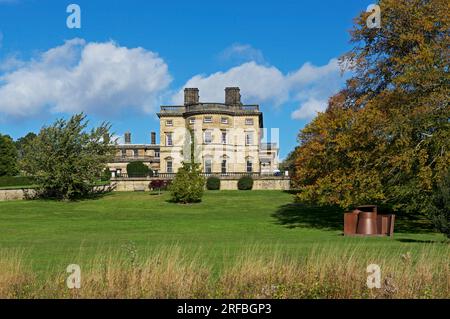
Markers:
point(332, 218)
point(302, 215)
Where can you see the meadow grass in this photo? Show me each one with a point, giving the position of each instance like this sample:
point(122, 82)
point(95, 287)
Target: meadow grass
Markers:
point(173, 273)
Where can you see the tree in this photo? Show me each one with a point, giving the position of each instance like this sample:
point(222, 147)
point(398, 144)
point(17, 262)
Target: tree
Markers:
point(440, 206)
point(65, 160)
point(8, 156)
point(385, 138)
point(289, 162)
point(188, 184)
point(22, 142)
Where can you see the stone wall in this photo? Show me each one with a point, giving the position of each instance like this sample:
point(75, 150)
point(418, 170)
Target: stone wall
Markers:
point(15, 194)
point(261, 183)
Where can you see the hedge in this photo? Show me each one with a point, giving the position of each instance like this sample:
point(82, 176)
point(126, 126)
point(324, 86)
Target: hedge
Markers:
point(245, 183)
point(138, 169)
point(6, 181)
point(213, 183)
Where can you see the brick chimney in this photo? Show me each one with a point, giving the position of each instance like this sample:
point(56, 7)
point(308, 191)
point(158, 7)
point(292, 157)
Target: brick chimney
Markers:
point(127, 137)
point(191, 96)
point(232, 96)
point(153, 138)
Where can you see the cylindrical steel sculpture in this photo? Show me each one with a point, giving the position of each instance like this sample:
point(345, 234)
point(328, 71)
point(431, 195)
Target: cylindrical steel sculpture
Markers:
point(367, 223)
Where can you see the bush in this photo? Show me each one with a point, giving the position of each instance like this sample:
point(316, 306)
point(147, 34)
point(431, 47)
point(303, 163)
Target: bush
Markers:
point(6, 181)
point(188, 184)
point(138, 169)
point(245, 183)
point(159, 184)
point(213, 183)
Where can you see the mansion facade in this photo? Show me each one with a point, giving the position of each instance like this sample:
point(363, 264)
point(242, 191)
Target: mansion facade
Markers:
point(227, 139)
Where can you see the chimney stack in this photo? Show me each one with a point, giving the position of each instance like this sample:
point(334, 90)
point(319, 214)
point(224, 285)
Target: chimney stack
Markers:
point(127, 138)
point(232, 96)
point(191, 96)
point(153, 138)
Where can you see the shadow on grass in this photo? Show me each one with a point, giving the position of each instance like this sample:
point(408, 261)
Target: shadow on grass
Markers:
point(331, 217)
point(410, 240)
point(302, 215)
point(98, 192)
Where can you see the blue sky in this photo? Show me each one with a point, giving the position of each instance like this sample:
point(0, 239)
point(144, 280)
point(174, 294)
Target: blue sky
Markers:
point(131, 56)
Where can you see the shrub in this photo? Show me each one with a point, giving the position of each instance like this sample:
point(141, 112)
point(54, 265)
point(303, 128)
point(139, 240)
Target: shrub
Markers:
point(159, 184)
point(138, 169)
point(188, 184)
point(213, 183)
point(245, 183)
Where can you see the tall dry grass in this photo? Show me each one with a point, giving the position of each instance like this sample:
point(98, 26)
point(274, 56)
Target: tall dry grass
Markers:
point(326, 272)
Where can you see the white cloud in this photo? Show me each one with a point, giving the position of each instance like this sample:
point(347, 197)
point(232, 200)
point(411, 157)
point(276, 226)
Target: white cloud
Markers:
point(79, 76)
point(242, 53)
point(257, 83)
point(309, 109)
point(310, 86)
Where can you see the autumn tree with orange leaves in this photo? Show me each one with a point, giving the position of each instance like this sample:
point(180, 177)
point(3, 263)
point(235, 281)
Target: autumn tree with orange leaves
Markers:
point(385, 138)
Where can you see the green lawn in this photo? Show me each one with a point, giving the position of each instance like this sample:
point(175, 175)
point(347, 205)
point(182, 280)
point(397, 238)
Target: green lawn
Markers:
point(51, 233)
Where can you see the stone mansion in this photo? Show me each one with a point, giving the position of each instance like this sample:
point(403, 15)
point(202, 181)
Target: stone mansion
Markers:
point(227, 137)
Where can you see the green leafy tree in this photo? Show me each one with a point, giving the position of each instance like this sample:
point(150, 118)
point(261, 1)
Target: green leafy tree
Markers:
point(65, 160)
point(289, 163)
point(8, 156)
point(22, 142)
point(385, 138)
point(440, 206)
point(188, 184)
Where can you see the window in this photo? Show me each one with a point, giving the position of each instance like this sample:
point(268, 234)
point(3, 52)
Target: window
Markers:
point(224, 120)
point(169, 166)
point(224, 166)
point(248, 121)
point(156, 154)
point(224, 137)
point(124, 152)
point(192, 120)
point(207, 119)
point(208, 137)
point(208, 166)
point(135, 153)
point(169, 140)
point(249, 166)
point(169, 123)
point(248, 138)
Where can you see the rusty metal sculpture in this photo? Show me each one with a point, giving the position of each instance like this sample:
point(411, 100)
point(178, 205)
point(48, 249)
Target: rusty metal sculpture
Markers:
point(365, 221)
